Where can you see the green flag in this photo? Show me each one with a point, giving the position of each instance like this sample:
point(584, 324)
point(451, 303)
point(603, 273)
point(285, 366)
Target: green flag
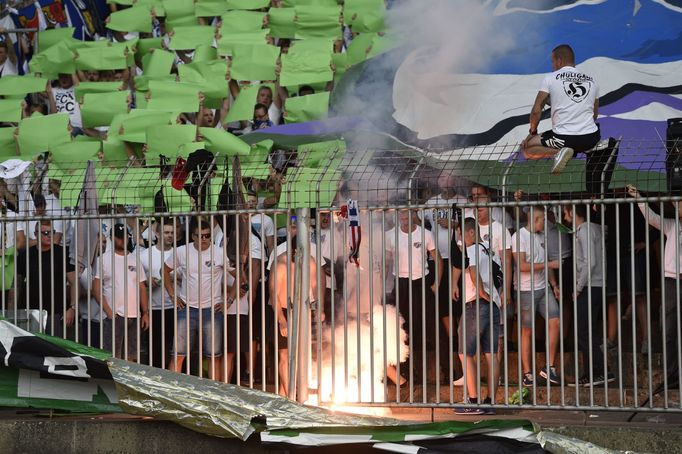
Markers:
point(305, 68)
point(21, 85)
point(365, 16)
point(209, 76)
point(227, 42)
point(300, 109)
point(318, 22)
point(48, 38)
point(158, 62)
point(191, 36)
point(54, 130)
point(254, 62)
point(178, 8)
point(241, 21)
point(101, 58)
point(85, 88)
point(340, 62)
point(184, 21)
point(242, 108)
point(135, 19)
point(247, 4)
point(10, 110)
point(146, 44)
point(281, 22)
point(58, 59)
point(359, 48)
point(204, 53)
point(133, 127)
point(221, 141)
point(114, 150)
point(99, 109)
point(8, 146)
point(320, 45)
point(167, 140)
point(173, 96)
point(209, 8)
point(69, 154)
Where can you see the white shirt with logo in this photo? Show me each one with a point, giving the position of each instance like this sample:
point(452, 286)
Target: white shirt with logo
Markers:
point(572, 94)
point(524, 241)
point(478, 258)
point(243, 304)
point(499, 238)
point(443, 211)
point(411, 263)
point(65, 100)
point(201, 275)
point(152, 261)
point(120, 277)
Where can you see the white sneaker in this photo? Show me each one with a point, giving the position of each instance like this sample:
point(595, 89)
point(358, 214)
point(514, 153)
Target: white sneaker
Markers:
point(459, 381)
point(561, 159)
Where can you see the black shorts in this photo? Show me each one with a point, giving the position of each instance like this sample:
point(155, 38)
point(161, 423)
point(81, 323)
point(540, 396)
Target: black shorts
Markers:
point(579, 144)
point(244, 344)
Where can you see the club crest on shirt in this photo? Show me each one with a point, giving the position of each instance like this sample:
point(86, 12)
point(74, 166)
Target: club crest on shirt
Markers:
point(417, 245)
point(132, 268)
point(208, 264)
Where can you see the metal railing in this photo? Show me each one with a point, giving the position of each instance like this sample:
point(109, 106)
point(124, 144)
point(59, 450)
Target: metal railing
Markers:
point(375, 332)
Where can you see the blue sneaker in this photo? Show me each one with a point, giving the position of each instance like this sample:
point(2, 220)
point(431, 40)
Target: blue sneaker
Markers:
point(489, 410)
point(469, 411)
point(549, 373)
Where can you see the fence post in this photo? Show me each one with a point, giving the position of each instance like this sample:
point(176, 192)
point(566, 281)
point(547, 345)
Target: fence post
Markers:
point(301, 328)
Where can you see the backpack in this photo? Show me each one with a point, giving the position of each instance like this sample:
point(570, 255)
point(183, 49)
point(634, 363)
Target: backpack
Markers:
point(498, 276)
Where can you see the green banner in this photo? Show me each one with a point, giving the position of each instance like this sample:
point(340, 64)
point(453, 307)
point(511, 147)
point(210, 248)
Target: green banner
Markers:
point(85, 88)
point(204, 53)
point(209, 8)
point(10, 110)
point(300, 109)
point(221, 141)
point(158, 62)
point(210, 77)
point(99, 109)
point(21, 85)
point(48, 38)
point(146, 44)
point(173, 96)
point(242, 108)
point(314, 21)
point(133, 127)
point(70, 154)
point(58, 59)
point(281, 22)
point(8, 146)
point(305, 68)
point(321, 154)
point(167, 140)
point(135, 19)
point(227, 42)
point(254, 62)
point(247, 4)
point(365, 16)
point(178, 8)
point(241, 21)
point(189, 37)
point(54, 130)
point(101, 58)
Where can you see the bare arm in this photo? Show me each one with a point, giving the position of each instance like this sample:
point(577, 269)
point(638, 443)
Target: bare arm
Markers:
point(100, 299)
point(476, 279)
point(439, 266)
point(596, 109)
point(536, 111)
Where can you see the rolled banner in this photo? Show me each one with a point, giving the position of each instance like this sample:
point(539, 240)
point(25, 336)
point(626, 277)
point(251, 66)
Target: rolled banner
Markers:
point(99, 109)
point(281, 22)
point(135, 19)
point(54, 130)
point(21, 85)
point(254, 62)
point(10, 110)
point(300, 109)
point(314, 21)
point(191, 36)
point(305, 67)
point(220, 141)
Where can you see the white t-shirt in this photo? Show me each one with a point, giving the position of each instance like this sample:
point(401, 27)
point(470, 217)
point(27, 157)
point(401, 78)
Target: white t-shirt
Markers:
point(243, 303)
point(8, 68)
point(411, 244)
point(479, 259)
point(153, 267)
point(500, 237)
point(259, 221)
point(120, 279)
point(201, 275)
point(282, 249)
point(65, 100)
point(326, 248)
point(274, 114)
point(442, 235)
point(7, 230)
point(524, 239)
point(572, 95)
point(88, 308)
point(498, 214)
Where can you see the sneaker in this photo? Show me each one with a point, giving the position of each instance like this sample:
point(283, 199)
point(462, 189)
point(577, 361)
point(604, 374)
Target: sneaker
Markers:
point(528, 379)
point(561, 159)
point(582, 381)
point(489, 410)
point(601, 379)
point(469, 411)
point(552, 376)
point(459, 381)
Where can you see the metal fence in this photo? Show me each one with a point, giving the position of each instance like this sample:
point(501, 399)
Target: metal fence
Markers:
point(366, 285)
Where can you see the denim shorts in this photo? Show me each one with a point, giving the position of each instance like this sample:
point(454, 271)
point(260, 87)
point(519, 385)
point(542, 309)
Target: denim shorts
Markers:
point(528, 304)
point(481, 331)
point(211, 332)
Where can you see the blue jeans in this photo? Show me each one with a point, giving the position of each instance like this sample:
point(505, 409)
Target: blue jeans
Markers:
point(211, 332)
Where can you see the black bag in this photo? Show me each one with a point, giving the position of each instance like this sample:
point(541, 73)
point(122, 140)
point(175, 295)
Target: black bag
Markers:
point(498, 276)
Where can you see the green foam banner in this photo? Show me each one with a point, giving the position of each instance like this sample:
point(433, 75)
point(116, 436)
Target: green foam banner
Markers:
point(102, 58)
point(300, 109)
point(135, 19)
point(99, 109)
point(68, 154)
point(318, 22)
point(21, 85)
point(85, 88)
point(48, 38)
point(210, 77)
point(158, 62)
point(227, 42)
point(305, 68)
point(281, 22)
point(190, 36)
point(10, 110)
point(247, 4)
point(221, 141)
point(173, 96)
point(167, 140)
point(254, 62)
point(241, 21)
point(54, 130)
